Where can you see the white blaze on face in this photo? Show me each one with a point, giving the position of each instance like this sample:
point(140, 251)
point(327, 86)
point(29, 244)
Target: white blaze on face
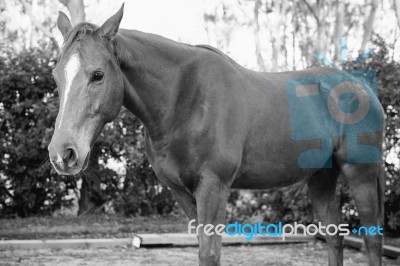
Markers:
point(70, 71)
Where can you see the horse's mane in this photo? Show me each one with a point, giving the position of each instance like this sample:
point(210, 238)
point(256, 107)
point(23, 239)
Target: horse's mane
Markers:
point(76, 33)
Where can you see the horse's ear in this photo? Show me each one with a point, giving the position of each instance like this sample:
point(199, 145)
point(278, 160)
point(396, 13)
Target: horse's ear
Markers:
point(63, 23)
point(110, 28)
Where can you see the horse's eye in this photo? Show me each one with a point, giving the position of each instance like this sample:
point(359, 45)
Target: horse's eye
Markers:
point(97, 76)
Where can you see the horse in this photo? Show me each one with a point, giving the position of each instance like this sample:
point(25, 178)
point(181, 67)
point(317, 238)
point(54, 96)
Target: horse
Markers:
point(212, 125)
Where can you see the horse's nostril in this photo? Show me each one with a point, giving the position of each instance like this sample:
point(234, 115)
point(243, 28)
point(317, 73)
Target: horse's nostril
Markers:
point(70, 157)
point(67, 155)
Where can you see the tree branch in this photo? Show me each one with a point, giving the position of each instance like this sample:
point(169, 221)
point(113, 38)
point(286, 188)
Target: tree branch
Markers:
point(4, 188)
point(76, 9)
point(312, 11)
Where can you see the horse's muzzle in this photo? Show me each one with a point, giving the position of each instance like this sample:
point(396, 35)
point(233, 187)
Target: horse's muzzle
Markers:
point(67, 161)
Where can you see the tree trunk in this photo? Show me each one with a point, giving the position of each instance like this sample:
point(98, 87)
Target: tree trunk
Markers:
point(76, 10)
point(279, 34)
point(338, 35)
point(321, 23)
point(397, 10)
point(318, 47)
point(369, 22)
point(260, 60)
point(3, 5)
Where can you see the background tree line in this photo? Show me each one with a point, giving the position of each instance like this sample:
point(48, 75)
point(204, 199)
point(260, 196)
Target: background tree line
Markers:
point(285, 35)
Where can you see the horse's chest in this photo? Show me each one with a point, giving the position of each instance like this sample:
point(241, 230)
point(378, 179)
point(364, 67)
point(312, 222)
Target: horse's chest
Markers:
point(165, 171)
point(166, 166)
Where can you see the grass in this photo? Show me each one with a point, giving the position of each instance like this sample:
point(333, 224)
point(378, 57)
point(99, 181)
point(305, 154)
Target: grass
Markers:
point(90, 226)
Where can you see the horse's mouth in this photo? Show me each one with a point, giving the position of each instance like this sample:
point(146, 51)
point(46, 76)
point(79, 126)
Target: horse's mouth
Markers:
point(74, 170)
point(84, 166)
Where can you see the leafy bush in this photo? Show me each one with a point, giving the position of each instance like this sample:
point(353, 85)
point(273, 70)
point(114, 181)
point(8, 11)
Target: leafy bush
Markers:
point(27, 114)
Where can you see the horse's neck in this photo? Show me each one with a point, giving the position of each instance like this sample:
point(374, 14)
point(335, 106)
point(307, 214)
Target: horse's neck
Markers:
point(152, 68)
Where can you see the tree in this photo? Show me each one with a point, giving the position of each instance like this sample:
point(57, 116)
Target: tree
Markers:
point(397, 11)
point(260, 59)
point(27, 115)
point(3, 5)
point(339, 24)
point(368, 24)
point(76, 10)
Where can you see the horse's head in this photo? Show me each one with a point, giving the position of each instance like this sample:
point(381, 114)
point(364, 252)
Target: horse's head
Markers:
point(90, 85)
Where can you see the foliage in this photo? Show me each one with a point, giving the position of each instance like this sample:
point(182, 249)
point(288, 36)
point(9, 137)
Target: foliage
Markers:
point(27, 113)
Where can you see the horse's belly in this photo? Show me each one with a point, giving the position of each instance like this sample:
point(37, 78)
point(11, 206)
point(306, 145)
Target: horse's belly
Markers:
point(265, 175)
point(272, 161)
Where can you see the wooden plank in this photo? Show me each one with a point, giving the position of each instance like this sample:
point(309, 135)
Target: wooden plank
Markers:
point(168, 239)
point(358, 243)
point(354, 242)
point(63, 243)
point(226, 239)
point(390, 251)
point(147, 240)
point(191, 239)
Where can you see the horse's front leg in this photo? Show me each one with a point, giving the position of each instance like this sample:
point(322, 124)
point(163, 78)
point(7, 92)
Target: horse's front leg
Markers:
point(211, 197)
point(187, 202)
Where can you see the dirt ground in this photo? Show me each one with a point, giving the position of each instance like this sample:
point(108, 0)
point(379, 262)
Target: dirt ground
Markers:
point(310, 254)
point(103, 226)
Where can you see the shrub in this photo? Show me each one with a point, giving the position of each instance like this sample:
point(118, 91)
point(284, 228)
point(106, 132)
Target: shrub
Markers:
point(27, 114)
